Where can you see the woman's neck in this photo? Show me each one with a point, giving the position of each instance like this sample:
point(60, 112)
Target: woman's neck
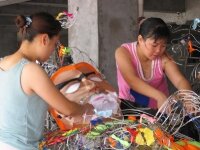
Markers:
point(22, 54)
point(25, 52)
point(140, 55)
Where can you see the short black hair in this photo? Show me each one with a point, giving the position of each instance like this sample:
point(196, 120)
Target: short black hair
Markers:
point(154, 28)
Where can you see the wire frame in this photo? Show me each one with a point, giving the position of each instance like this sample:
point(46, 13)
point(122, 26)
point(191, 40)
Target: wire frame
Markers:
point(68, 18)
point(180, 47)
point(50, 123)
point(172, 113)
point(196, 87)
point(195, 75)
point(74, 55)
point(81, 56)
point(168, 121)
point(178, 52)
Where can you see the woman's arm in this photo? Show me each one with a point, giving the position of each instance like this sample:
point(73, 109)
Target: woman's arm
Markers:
point(173, 73)
point(35, 80)
point(123, 59)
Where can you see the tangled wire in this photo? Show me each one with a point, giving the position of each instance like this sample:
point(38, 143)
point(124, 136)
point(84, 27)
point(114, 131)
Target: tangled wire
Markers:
point(138, 131)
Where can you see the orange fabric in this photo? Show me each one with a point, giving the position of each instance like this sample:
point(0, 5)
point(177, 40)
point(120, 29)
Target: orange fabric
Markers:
point(175, 146)
point(192, 147)
point(161, 137)
point(58, 121)
point(72, 67)
point(190, 48)
point(187, 146)
point(132, 118)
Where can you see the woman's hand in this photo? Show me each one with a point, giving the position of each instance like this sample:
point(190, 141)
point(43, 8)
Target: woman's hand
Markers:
point(88, 109)
point(87, 114)
point(161, 98)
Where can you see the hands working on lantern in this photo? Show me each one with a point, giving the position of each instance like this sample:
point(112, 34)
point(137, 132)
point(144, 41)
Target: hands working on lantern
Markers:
point(83, 84)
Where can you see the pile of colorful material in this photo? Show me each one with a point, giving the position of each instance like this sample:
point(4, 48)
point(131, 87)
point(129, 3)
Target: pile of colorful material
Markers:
point(119, 135)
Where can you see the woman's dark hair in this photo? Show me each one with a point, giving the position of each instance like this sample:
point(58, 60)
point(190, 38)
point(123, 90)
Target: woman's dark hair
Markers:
point(140, 19)
point(38, 23)
point(154, 28)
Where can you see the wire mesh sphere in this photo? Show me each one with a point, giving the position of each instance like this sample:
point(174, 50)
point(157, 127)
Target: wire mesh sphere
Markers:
point(172, 113)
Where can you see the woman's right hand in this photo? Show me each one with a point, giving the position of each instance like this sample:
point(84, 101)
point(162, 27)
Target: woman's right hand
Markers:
point(87, 112)
point(161, 98)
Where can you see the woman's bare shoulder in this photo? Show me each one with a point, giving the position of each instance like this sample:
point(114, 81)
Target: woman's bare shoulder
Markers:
point(166, 59)
point(121, 51)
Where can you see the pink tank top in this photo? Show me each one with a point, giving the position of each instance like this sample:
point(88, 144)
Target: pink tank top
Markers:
point(157, 79)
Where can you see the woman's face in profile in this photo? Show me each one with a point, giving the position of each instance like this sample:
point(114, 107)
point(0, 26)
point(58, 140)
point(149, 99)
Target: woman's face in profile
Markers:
point(153, 48)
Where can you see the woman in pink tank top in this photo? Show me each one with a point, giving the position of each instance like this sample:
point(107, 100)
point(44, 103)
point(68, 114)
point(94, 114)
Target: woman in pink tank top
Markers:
point(142, 66)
